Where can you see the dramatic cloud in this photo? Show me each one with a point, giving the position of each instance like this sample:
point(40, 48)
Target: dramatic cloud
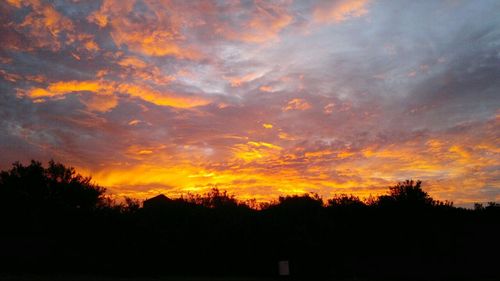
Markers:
point(261, 98)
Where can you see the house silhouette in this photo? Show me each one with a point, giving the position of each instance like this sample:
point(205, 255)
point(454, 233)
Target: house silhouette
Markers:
point(157, 201)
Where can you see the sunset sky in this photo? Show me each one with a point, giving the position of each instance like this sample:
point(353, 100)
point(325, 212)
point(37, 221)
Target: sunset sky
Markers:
point(260, 98)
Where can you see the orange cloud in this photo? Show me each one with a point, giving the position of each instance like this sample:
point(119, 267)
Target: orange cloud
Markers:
point(338, 11)
point(286, 136)
point(134, 122)
point(158, 36)
point(110, 8)
point(107, 88)
point(266, 89)
point(100, 103)
point(319, 153)
point(45, 27)
point(252, 151)
point(265, 23)
point(15, 3)
point(161, 98)
point(10, 76)
point(91, 46)
point(297, 104)
point(345, 154)
point(45, 24)
point(36, 78)
point(328, 109)
point(238, 81)
point(153, 43)
point(132, 61)
point(60, 88)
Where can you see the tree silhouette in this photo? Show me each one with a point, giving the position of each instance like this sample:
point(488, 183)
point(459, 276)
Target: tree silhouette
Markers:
point(55, 220)
point(408, 194)
point(345, 201)
point(214, 199)
point(55, 186)
point(306, 201)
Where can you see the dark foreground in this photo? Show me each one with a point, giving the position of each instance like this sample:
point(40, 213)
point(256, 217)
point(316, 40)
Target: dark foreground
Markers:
point(109, 278)
point(56, 225)
point(171, 278)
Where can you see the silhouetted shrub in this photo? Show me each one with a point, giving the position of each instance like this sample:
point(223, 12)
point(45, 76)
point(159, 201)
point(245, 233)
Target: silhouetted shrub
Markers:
point(345, 201)
point(406, 194)
point(306, 201)
point(214, 199)
point(55, 186)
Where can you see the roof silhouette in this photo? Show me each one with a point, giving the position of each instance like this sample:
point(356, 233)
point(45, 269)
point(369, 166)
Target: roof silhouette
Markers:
point(156, 201)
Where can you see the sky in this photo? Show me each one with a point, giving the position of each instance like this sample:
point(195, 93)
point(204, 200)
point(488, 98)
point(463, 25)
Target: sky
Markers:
point(259, 98)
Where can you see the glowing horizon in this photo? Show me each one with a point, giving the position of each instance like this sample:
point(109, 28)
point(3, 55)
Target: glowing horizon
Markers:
point(259, 98)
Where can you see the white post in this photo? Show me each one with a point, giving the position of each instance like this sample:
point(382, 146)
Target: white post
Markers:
point(284, 268)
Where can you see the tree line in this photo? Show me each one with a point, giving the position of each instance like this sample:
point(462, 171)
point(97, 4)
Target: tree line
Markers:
point(55, 220)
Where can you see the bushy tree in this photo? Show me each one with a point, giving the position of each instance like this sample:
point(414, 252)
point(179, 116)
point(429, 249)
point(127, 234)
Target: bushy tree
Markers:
point(408, 193)
point(214, 199)
point(55, 186)
point(345, 201)
point(305, 201)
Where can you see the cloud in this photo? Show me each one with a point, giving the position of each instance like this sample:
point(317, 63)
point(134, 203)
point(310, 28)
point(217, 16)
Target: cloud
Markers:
point(157, 34)
point(15, 3)
point(238, 81)
point(283, 97)
point(339, 10)
point(109, 88)
point(100, 103)
point(45, 25)
point(297, 104)
point(264, 23)
point(133, 62)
